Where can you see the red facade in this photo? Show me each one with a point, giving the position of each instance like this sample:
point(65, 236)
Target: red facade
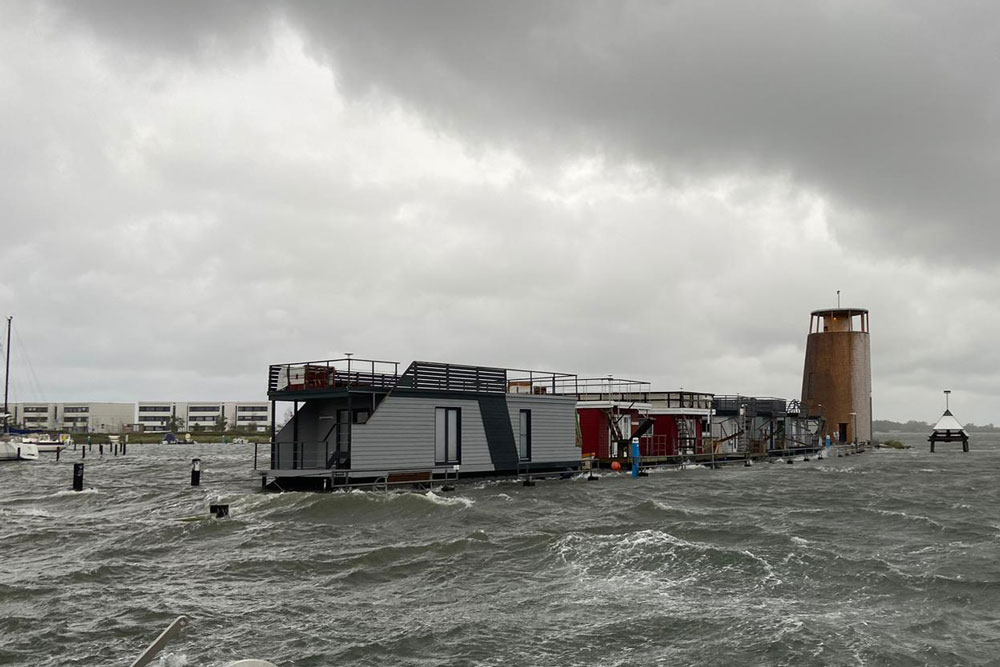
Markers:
point(664, 439)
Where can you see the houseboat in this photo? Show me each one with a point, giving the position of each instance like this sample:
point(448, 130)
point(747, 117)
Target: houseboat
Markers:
point(753, 427)
point(672, 426)
point(363, 422)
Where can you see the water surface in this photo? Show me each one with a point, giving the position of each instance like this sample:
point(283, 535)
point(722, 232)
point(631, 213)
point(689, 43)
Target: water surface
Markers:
point(889, 558)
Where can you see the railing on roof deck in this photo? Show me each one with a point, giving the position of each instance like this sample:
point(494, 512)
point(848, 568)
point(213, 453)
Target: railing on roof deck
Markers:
point(681, 399)
point(611, 389)
point(435, 376)
point(751, 405)
point(347, 373)
point(422, 375)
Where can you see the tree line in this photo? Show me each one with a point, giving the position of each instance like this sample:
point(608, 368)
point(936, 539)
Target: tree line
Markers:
point(914, 426)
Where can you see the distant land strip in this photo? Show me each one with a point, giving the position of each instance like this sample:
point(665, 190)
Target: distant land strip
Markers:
point(913, 426)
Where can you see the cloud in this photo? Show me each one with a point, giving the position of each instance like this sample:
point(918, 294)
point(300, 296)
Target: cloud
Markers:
point(659, 191)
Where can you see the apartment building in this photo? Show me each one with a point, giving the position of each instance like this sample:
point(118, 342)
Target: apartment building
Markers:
point(203, 415)
point(77, 417)
point(90, 417)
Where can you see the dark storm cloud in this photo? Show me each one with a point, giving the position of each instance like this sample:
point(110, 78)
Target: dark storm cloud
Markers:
point(888, 109)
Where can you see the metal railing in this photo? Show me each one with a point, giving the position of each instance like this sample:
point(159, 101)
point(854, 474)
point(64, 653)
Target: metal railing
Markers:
point(309, 455)
point(610, 389)
point(333, 373)
point(421, 375)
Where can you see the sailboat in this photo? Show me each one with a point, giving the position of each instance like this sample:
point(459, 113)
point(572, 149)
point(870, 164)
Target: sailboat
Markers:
point(12, 448)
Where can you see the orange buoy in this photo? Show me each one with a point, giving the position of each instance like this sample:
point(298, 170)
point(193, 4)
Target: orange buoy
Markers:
point(615, 465)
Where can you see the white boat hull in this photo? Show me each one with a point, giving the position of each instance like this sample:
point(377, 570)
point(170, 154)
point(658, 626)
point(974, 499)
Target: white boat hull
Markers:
point(18, 451)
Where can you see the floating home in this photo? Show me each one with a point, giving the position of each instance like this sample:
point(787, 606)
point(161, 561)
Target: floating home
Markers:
point(759, 426)
point(359, 421)
point(669, 424)
point(676, 427)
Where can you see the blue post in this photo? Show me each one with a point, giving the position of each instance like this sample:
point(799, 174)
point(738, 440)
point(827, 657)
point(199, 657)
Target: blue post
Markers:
point(635, 457)
point(828, 444)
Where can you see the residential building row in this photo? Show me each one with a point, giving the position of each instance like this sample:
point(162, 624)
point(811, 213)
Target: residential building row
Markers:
point(145, 416)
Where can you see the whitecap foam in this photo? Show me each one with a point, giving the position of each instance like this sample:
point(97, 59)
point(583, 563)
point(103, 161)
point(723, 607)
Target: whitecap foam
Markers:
point(172, 660)
point(455, 500)
point(87, 491)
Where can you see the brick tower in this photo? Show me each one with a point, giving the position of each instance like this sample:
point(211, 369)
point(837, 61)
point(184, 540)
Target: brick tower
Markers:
point(837, 378)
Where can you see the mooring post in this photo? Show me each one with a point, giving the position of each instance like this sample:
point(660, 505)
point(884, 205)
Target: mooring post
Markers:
point(83, 452)
point(78, 477)
point(635, 458)
point(195, 472)
point(100, 449)
point(58, 452)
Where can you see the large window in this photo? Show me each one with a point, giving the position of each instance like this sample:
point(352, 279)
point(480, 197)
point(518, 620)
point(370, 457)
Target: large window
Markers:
point(524, 436)
point(448, 435)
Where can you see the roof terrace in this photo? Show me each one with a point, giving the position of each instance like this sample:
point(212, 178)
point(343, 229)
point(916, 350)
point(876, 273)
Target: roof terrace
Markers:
point(296, 381)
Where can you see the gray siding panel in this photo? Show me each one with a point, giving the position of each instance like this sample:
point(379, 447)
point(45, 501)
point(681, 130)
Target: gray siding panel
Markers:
point(400, 435)
point(553, 426)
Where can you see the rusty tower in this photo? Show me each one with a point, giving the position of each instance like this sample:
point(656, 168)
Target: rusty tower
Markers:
point(837, 378)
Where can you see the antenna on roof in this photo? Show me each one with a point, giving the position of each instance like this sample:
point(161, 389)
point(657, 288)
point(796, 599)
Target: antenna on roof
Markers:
point(838, 298)
point(946, 392)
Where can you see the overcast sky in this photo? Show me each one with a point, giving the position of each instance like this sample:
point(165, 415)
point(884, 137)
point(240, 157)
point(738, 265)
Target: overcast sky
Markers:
point(660, 191)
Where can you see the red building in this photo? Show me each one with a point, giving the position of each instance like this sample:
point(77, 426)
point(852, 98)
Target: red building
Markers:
point(668, 424)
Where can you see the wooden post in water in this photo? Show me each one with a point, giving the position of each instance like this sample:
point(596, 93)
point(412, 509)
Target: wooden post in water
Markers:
point(78, 477)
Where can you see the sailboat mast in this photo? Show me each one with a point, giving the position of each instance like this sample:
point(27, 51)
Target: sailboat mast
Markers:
point(6, 373)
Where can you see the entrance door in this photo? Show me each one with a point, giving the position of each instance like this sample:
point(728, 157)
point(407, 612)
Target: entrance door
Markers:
point(843, 431)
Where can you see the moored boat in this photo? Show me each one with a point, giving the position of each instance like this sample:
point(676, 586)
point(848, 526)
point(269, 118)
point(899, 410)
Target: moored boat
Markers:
point(15, 450)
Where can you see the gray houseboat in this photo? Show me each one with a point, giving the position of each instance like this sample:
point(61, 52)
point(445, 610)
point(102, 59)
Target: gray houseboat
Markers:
point(359, 421)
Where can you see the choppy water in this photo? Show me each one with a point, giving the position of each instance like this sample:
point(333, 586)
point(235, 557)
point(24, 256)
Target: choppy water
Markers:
point(889, 558)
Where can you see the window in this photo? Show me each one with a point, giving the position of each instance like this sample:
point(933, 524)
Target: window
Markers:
point(524, 436)
point(36, 409)
point(75, 409)
point(154, 408)
point(361, 415)
point(448, 435)
point(251, 408)
point(203, 408)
